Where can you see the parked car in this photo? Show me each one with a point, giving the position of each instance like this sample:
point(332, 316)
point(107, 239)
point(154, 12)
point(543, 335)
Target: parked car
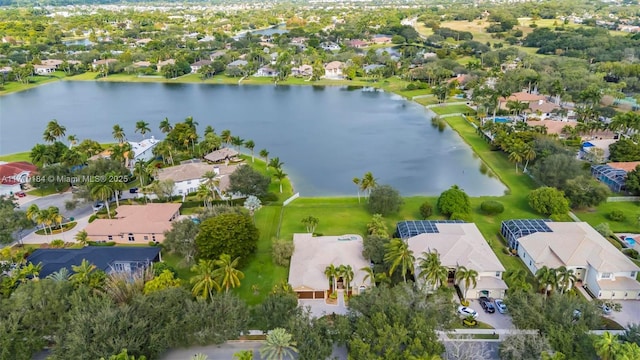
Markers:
point(465, 311)
point(21, 194)
point(97, 206)
point(605, 309)
point(487, 305)
point(133, 190)
point(500, 306)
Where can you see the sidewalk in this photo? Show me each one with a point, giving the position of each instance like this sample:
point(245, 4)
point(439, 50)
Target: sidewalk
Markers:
point(67, 236)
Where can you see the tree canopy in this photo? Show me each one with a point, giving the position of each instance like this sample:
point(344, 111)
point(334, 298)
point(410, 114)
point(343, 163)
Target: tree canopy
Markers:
point(233, 234)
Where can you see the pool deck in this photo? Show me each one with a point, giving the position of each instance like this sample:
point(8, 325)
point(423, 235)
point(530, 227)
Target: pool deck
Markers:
point(635, 237)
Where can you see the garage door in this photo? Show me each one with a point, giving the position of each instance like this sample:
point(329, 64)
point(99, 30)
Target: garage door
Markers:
point(319, 294)
point(305, 294)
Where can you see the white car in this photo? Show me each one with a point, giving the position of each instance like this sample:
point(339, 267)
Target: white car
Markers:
point(502, 308)
point(467, 311)
point(98, 206)
point(605, 309)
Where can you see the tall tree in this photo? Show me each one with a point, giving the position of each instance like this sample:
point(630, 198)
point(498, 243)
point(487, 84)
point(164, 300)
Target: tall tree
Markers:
point(275, 163)
point(265, 155)
point(280, 175)
point(399, 254)
point(566, 278)
point(102, 190)
point(118, 133)
point(227, 272)
point(54, 131)
point(142, 127)
point(278, 346)
point(431, 269)
point(250, 145)
point(205, 279)
point(165, 126)
point(467, 276)
point(356, 181)
point(368, 182)
point(547, 279)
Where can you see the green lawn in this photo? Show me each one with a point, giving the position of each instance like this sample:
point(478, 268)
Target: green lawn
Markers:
point(601, 215)
point(12, 86)
point(444, 109)
point(21, 156)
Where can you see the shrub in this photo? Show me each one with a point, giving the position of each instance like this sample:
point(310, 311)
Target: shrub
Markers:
point(492, 207)
point(281, 251)
point(384, 200)
point(617, 215)
point(548, 201)
point(454, 200)
point(92, 218)
point(269, 197)
point(333, 296)
point(159, 267)
point(153, 243)
point(461, 216)
point(426, 210)
point(57, 244)
point(101, 243)
point(632, 253)
point(411, 86)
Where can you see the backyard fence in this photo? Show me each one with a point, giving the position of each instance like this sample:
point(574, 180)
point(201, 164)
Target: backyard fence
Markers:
point(623, 198)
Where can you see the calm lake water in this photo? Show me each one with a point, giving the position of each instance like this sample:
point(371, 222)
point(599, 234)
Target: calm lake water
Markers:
point(326, 136)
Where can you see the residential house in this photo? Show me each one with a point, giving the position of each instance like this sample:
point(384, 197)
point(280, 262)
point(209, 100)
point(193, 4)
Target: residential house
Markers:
point(302, 71)
point(429, 55)
point(599, 267)
point(629, 28)
point(601, 144)
point(217, 54)
point(614, 174)
point(53, 62)
point(143, 150)
point(141, 42)
point(127, 260)
point(141, 64)
point(196, 66)
point(381, 39)
point(5, 70)
point(96, 64)
point(163, 63)
point(458, 244)
point(237, 64)
point(313, 254)
point(357, 43)
point(188, 177)
point(372, 68)
point(554, 127)
point(329, 46)
point(13, 175)
point(333, 70)
point(266, 71)
point(222, 155)
point(43, 69)
point(523, 97)
point(135, 224)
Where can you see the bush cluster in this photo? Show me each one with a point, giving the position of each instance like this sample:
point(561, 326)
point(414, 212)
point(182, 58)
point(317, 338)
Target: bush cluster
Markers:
point(492, 207)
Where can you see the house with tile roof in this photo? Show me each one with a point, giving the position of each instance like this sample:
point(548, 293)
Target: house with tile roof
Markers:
point(600, 268)
point(13, 175)
point(188, 177)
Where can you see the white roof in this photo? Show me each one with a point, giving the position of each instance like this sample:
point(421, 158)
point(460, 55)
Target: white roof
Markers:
point(459, 244)
point(575, 244)
point(142, 146)
point(312, 255)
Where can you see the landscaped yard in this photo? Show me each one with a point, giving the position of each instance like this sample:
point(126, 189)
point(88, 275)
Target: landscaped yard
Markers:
point(21, 156)
point(444, 109)
point(600, 215)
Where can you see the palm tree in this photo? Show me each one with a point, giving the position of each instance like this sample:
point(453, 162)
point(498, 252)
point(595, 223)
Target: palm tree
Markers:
point(356, 181)
point(528, 154)
point(517, 279)
point(118, 133)
point(347, 276)
point(280, 175)
point(468, 276)
point(205, 194)
point(278, 346)
point(369, 274)
point(237, 141)
point(265, 155)
point(431, 269)
point(34, 214)
point(368, 182)
point(82, 237)
point(398, 254)
point(140, 169)
point(102, 190)
point(227, 272)
point(54, 131)
point(72, 140)
point(54, 217)
point(517, 106)
point(250, 145)
point(204, 282)
point(191, 123)
point(606, 345)
point(226, 136)
point(39, 155)
point(60, 275)
point(82, 272)
point(142, 127)
point(275, 163)
point(566, 278)
point(331, 272)
point(515, 156)
point(165, 126)
point(547, 278)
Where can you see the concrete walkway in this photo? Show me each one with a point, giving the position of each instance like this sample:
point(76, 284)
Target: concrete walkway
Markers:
point(67, 236)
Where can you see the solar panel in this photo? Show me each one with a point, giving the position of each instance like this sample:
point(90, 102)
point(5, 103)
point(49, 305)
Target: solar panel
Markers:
point(407, 229)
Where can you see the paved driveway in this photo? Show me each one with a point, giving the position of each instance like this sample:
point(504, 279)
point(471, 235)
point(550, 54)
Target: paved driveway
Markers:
point(630, 313)
point(320, 308)
point(497, 320)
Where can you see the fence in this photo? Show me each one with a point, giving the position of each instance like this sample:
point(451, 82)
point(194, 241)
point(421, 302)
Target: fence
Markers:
point(623, 198)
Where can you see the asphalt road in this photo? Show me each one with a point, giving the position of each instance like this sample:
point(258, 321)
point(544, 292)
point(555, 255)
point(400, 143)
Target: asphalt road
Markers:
point(58, 200)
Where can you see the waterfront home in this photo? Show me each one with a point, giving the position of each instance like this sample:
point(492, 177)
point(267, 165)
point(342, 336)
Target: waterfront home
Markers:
point(313, 254)
point(96, 64)
point(329, 46)
point(53, 62)
point(302, 70)
point(357, 43)
point(143, 150)
point(237, 64)
point(141, 64)
point(14, 175)
point(163, 63)
point(223, 154)
point(43, 69)
point(457, 244)
point(372, 68)
point(135, 224)
point(217, 54)
point(381, 39)
point(601, 269)
point(196, 66)
point(266, 71)
point(333, 70)
point(188, 177)
point(127, 260)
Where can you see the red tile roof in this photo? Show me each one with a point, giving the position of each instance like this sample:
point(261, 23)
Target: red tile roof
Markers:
point(8, 171)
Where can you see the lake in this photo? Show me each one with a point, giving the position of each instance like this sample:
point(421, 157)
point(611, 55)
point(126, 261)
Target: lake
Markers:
point(326, 136)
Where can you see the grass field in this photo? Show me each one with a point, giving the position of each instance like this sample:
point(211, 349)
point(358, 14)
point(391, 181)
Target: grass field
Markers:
point(34, 81)
point(21, 156)
point(600, 215)
point(444, 109)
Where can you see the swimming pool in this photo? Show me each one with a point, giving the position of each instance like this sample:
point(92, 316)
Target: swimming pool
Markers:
point(501, 120)
point(630, 241)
